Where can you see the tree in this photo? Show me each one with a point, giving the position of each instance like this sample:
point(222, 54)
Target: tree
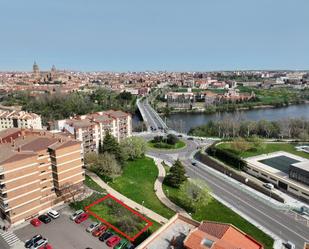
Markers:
point(176, 175)
point(70, 191)
point(240, 145)
point(133, 147)
point(172, 139)
point(196, 193)
point(107, 165)
point(111, 146)
point(91, 159)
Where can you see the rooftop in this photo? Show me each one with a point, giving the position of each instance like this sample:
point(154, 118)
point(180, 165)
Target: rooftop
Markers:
point(18, 144)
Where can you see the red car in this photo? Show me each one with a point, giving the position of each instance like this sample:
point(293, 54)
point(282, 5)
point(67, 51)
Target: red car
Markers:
point(35, 222)
point(82, 218)
point(48, 246)
point(113, 241)
point(99, 231)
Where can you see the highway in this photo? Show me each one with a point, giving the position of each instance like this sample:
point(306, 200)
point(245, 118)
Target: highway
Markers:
point(279, 223)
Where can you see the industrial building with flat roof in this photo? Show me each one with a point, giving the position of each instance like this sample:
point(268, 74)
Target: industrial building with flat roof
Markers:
point(36, 168)
point(285, 170)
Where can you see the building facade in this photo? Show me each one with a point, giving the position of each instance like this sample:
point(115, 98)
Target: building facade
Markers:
point(36, 168)
point(90, 129)
point(19, 119)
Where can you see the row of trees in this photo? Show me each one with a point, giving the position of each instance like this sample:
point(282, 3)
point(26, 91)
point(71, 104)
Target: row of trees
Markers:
point(112, 155)
point(59, 106)
point(231, 127)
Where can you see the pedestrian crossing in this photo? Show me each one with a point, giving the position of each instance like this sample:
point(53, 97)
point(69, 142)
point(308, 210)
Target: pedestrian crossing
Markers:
point(10, 238)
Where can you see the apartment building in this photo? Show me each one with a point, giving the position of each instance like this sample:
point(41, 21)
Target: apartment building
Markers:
point(36, 168)
point(19, 119)
point(90, 129)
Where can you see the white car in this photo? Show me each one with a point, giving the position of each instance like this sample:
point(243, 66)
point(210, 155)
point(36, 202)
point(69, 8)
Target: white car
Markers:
point(92, 227)
point(39, 244)
point(269, 186)
point(53, 214)
point(76, 214)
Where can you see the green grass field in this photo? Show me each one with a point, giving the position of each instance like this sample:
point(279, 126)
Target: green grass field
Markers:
point(137, 183)
point(93, 185)
point(215, 211)
point(165, 146)
point(266, 148)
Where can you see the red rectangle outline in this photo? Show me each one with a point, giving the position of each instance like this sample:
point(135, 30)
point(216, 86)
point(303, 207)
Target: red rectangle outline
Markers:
point(149, 223)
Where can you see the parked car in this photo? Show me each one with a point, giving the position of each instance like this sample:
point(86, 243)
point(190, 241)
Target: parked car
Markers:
point(81, 218)
point(290, 245)
point(99, 231)
point(76, 214)
point(194, 163)
point(106, 236)
point(48, 246)
point(268, 185)
point(113, 241)
point(35, 222)
point(33, 240)
point(92, 226)
point(53, 214)
point(129, 246)
point(44, 218)
point(121, 244)
point(39, 244)
point(190, 138)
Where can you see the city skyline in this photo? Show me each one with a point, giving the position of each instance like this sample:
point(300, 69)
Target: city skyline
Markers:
point(174, 36)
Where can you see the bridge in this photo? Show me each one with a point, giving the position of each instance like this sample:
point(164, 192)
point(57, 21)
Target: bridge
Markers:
point(150, 116)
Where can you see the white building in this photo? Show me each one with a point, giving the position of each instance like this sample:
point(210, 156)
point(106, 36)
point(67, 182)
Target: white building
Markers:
point(91, 128)
point(19, 119)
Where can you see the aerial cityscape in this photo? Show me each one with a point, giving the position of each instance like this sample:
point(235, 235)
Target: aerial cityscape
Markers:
point(154, 125)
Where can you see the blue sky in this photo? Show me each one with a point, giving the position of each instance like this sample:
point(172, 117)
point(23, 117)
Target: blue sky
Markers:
point(138, 35)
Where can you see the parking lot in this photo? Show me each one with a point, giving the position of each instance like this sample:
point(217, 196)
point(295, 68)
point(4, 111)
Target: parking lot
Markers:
point(62, 233)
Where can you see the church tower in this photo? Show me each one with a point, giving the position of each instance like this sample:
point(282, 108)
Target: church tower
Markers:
point(36, 71)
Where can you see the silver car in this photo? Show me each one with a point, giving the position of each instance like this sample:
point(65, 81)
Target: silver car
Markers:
point(39, 244)
point(76, 214)
point(92, 227)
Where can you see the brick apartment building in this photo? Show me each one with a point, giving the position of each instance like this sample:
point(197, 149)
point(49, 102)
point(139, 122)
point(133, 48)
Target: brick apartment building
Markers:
point(19, 119)
point(35, 167)
point(90, 129)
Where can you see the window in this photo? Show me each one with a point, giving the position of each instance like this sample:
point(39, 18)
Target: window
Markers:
point(43, 171)
point(293, 188)
point(305, 194)
point(264, 175)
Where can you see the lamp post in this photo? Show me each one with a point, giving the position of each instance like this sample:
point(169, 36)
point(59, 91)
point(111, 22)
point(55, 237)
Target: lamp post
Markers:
point(143, 207)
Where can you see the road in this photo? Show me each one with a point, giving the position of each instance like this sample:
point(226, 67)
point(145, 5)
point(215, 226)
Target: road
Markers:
point(279, 223)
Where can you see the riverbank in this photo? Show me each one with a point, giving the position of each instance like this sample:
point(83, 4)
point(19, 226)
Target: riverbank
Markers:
point(184, 121)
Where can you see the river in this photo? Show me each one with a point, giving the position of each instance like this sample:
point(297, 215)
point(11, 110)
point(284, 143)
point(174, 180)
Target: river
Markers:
point(183, 122)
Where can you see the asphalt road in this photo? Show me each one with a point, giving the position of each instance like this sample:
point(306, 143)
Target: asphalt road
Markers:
point(279, 223)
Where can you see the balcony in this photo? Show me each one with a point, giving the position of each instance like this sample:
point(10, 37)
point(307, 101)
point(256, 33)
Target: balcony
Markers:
point(4, 206)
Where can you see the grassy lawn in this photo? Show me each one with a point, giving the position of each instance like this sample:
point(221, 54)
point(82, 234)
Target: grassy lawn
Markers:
point(215, 211)
point(266, 148)
point(103, 211)
point(93, 185)
point(180, 144)
point(137, 183)
point(120, 217)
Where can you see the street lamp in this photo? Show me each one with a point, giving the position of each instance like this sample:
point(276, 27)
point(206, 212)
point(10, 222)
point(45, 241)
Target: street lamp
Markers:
point(143, 207)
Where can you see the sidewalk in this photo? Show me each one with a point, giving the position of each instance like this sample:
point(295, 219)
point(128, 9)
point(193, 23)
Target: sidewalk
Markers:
point(140, 208)
point(159, 190)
